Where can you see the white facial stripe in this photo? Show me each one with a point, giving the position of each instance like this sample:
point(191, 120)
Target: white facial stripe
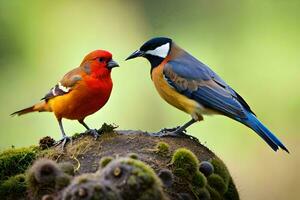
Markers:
point(63, 88)
point(161, 51)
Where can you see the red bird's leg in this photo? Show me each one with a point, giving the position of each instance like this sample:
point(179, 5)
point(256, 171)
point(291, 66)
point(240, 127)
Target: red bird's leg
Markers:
point(88, 130)
point(64, 138)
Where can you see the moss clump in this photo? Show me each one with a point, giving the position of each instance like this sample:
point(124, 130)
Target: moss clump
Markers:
point(184, 163)
point(162, 148)
point(206, 168)
point(199, 180)
point(46, 142)
point(203, 194)
point(133, 156)
point(215, 181)
point(104, 161)
point(16, 161)
point(232, 193)
point(67, 168)
point(89, 186)
point(45, 177)
point(107, 128)
point(135, 179)
point(166, 176)
point(214, 194)
point(14, 187)
point(220, 169)
point(124, 178)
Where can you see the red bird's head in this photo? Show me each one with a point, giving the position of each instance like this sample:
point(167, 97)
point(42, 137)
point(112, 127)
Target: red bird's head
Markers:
point(98, 62)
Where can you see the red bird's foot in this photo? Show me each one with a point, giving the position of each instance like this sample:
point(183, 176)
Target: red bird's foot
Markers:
point(93, 132)
point(63, 142)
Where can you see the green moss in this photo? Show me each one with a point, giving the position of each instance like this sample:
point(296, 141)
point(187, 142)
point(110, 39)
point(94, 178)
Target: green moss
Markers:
point(199, 180)
point(67, 168)
point(184, 163)
point(162, 148)
point(133, 156)
point(232, 193)
point(220, 169)
point(203, 194)
point(107, 128)
point(83, 178)
point(76, 136)
point(134, 179)
point(143, 171)
point(14, 187)
point(214, 194)
point(104, 161)
point(215, 181)
point(132, 182)
point(16, 161)
point(62, 181)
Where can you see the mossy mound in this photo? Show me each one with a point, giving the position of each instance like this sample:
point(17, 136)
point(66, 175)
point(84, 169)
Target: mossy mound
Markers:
point(15, 161)
point(121, 165)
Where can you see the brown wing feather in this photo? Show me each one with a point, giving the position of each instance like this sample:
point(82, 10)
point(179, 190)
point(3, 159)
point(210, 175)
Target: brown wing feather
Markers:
point(65, 85)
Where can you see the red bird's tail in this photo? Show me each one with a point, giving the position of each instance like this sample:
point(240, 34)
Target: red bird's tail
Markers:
point(40, 107)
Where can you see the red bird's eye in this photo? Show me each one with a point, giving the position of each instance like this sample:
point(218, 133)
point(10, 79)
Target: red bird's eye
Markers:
point(101, 59)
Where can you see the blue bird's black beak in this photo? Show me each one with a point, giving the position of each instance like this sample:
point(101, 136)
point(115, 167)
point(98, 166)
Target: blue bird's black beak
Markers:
point(137, 53)
point(111, 64)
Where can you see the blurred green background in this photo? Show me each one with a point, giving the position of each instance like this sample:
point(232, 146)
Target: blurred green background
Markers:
point(254, 45)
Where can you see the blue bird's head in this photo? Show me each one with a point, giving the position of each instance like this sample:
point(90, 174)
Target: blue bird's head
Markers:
point(154, 50)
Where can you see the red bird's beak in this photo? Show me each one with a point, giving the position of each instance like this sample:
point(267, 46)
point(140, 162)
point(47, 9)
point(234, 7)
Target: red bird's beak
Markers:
point(111, 64)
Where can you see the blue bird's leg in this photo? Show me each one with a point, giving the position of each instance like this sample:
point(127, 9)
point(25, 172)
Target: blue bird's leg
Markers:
point(175, 131)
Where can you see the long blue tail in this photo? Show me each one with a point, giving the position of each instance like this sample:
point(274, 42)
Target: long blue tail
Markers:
point(253, 123)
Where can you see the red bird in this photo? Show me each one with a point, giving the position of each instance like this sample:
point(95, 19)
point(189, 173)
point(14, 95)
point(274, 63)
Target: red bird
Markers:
point(81, 92)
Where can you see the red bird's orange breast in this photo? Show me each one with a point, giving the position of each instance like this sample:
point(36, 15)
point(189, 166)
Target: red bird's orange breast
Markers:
point(87, 97)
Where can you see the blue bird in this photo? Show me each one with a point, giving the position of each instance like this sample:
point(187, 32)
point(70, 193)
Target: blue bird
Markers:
point(191, 86)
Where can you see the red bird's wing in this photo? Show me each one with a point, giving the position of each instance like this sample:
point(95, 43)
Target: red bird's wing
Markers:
point(65, 85)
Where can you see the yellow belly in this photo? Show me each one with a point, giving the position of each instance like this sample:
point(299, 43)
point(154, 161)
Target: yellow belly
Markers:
point(77, 104)
point(172, 96)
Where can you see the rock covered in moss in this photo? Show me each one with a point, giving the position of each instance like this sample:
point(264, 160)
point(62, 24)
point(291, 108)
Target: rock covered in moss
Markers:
point(179, 170)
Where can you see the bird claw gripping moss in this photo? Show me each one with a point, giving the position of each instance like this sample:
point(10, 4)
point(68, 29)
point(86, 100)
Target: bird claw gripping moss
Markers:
point(93, 132)
point(63, 142)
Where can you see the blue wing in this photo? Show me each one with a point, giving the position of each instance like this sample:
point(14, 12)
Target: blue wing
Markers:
point(197, 81)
